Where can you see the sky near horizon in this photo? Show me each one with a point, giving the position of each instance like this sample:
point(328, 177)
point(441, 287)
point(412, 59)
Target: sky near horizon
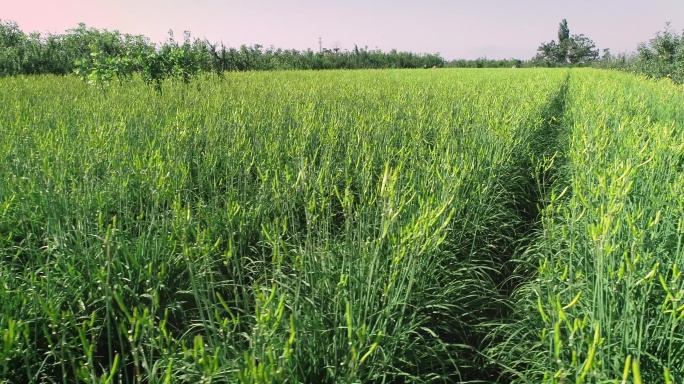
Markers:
point(455, 28)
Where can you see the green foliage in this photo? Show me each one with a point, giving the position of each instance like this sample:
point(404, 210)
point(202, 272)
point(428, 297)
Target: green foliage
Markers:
point(11, 48)
point(563, 31)
point(71, 51)
point(100, 70)
point(396, 226)
point(276, 227)
point(661, 57)
point(581, 50)
point(185, 61)
point(483, 62)
point(63, 54)
point(574, 50)
point(604, 303)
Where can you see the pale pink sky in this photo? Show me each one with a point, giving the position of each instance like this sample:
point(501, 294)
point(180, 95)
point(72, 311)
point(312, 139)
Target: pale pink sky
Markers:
point(455, 28)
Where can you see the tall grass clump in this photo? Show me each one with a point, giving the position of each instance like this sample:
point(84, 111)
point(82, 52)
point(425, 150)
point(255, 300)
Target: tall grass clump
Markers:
point(605, 304)
point(271, 227)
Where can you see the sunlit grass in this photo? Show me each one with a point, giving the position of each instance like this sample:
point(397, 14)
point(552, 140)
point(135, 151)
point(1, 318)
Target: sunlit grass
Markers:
point(365, 226)
point(606, 303)
point(302, 227)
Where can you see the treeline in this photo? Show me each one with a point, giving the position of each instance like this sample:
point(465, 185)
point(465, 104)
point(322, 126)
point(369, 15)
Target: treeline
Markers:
point(660, 57)
point(487, 63)
point(121, 54)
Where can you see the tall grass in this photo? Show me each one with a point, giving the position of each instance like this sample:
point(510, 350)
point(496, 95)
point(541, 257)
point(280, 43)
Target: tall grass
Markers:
point(273, 227)
point(605, 305)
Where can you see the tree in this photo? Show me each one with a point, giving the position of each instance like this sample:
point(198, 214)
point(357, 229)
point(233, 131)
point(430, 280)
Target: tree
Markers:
point(606, 54)
point(662, 56)
point(564, 42)
point(570, 49)
point(581, 49)
point(547, 54)
point(12, 48)
point(563, 31)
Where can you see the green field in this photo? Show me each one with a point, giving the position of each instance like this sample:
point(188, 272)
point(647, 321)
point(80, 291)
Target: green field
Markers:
point(520, 225)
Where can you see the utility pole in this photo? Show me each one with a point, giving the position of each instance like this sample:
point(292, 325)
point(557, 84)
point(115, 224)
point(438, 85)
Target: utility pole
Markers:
point(320, 45)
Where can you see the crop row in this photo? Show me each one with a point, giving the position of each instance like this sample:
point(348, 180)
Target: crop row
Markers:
point(607, 297)
point(372, 226)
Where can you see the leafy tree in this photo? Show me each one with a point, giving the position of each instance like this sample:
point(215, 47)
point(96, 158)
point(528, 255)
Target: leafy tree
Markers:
point(570, 49)
point(12, 48)
point(660, 57)
point(548, 54)
point(581, 49)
